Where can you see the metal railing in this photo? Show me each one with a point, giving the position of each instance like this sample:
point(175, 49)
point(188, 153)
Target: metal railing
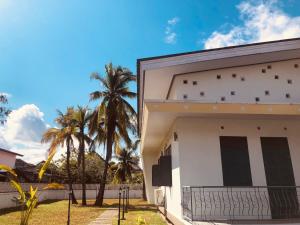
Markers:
point(240, 203)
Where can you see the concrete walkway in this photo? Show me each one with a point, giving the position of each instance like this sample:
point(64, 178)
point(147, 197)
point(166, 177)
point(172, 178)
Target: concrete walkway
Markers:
point(106, 217)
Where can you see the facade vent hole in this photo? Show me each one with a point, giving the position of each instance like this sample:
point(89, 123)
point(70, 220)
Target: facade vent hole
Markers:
point(218, 76)
point(257, 99)
point(202, 93)
point(185, 81)
point(289, 81)
point(267, 92)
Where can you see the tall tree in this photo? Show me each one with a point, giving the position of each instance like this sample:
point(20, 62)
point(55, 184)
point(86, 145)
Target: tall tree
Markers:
point(128, 162)
point(81, 118)
point(4, 111)
point(119, 114)
point(61, 136)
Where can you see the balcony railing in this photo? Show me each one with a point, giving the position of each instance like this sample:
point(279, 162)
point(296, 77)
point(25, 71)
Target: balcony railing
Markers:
point(240, 203)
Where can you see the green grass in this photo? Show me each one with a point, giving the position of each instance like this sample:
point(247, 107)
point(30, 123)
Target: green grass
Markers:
point(55, 213)
point(140, 209)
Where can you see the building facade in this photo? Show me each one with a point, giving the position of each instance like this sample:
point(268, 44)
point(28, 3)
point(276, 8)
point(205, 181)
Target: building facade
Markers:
point(228, 121)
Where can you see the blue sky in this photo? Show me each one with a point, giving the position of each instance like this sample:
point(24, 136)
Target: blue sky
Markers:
point(49, 48)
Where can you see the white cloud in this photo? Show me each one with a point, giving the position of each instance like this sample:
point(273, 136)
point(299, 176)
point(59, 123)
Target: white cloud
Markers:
point(262, 21)
point(23, 131)
point(173, 21)
point(170, 34)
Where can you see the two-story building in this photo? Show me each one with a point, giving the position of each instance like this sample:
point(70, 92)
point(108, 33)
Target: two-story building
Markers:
point(220, 132)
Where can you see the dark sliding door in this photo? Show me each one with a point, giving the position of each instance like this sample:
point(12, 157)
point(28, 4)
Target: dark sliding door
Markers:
point(279, 173)
point(235, 161)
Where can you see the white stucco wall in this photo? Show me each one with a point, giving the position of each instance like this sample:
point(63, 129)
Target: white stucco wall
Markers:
point(254, 85)
point(7, 159)
point(199, 147)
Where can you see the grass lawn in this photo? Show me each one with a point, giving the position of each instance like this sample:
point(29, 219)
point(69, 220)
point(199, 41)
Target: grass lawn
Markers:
point(53, 213)
point(140, 208)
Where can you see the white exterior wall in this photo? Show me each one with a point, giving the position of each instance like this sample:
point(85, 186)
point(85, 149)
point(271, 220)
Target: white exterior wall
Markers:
point(7, 159)
point(254, 85)
point(6, 198)
point(199, 147)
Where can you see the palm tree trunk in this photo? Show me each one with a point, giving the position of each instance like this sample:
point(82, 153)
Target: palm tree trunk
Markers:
point(110, 133)
point(83, 169)
point(74, 201)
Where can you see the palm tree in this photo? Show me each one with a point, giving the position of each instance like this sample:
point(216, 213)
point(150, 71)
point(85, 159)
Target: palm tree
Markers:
point(127, 163)
point(81, 118)
point(63, 135)
point(119, 115)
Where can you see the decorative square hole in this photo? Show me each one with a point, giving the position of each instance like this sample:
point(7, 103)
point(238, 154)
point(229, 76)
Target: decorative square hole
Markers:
point(218, 76)
point(257, 99)
point(296, 66)
point(276, 77)
point(263, 70)
point(267, 92)
point(202, 93)
point(242, 78)
point(287, 95)
point(194, 82)
point(269, 67)
point(234, 75)
point(185, 81)
point(289, 81)
point(232, 92)
point(185, 96)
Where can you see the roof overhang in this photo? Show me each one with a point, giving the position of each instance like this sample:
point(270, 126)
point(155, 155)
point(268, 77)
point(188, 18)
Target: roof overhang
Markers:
point(160, 115)
point(10, 152)
point(158, 72)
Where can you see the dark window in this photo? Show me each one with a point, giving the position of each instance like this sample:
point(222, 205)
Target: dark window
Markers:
point(156, 181)
point(218, 76)
point(296, 65)
point(269, 67)
point(287, 95)
point(289, 81)
point(263, 70)
point(276, 77)
point(279, 173)
point(232, 92)
point(242, 78)
point(267, 93)
point(223, 99)
point(234, 75)
point(201, 93)
point(235, 161)
point(185, 96)
point(257, 99)
point(194, 82)
point(185, 81)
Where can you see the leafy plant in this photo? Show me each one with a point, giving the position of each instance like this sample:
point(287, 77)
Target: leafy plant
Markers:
point(141, 221)
point(27, 199)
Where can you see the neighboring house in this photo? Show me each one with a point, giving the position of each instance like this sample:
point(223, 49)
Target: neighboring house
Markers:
point(8, 158)
point(220, 132)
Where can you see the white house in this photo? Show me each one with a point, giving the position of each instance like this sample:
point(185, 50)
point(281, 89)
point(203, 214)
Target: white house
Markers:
point(8, 158)
point(220, 132)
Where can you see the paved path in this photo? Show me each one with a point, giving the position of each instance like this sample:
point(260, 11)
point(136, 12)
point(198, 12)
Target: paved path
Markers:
point(106, 217)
